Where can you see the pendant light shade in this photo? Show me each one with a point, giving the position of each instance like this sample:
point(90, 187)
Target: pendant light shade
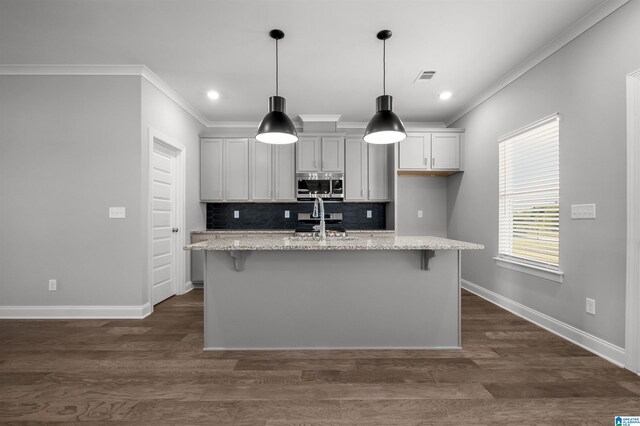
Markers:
point(276, 127)
point(385, 126)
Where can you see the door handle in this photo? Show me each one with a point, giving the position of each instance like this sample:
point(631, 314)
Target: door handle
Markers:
point(174, 230)
point(433, 162)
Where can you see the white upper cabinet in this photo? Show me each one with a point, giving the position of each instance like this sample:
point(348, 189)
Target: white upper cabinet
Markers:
point(415, 152)
point(445, 151)
point(332, 154)
point(285, 172)
point(309, 154)
point(320, 154)
point(262, 171)
point(211, 169)
point(272, 172)
point(237, 169)
point(366, 171)
point(430, 151)
point(224, 169)
point(355, 172)
point(378, 166)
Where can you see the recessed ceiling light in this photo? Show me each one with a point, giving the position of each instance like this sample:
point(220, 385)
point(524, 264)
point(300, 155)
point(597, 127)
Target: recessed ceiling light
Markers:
point(445, 95)
point(213, 95)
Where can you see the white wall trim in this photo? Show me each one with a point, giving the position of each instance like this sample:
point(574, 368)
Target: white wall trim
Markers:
point(598, 346)
point(589, 20)
point(632, 317)
point(536, 271)
point(107, 70)
point(415, 126)
point(188, 286)
point(74, 312)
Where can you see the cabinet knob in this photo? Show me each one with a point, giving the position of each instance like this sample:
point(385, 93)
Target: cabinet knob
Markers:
point(174, 230)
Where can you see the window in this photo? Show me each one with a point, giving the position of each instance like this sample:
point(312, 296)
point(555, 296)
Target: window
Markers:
point(529, 190)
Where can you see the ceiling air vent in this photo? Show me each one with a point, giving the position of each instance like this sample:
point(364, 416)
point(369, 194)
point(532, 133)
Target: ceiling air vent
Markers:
point(424, 75)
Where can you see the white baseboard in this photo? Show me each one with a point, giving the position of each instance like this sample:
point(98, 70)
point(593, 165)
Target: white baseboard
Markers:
point(598, 346)
point(75, 312)
point(188, 286)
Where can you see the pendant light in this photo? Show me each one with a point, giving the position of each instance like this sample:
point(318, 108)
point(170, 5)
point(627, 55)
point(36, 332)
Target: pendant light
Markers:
point(385, 126)
point(276, 127)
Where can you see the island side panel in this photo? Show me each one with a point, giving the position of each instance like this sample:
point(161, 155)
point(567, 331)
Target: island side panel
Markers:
point(332, 299)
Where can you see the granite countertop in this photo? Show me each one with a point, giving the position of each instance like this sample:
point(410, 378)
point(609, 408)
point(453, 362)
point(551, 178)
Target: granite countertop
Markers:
point(284, 231)
point(371, 242)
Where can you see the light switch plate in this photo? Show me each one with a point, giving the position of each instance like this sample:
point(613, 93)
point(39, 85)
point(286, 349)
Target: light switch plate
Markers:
point(117, 213)
point(53, 285)
point(419, 213)
point(287, 214)
point(590, 306)
point(236, 214)
point(583, 211)
point(369, 214)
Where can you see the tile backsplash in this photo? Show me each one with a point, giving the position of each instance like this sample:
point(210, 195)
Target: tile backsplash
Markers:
point(271, 215)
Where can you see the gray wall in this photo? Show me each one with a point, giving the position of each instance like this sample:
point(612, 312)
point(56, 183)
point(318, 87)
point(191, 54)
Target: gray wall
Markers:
point(69, 149)
point(585, 83)
point(162, 114)
point(426, 193)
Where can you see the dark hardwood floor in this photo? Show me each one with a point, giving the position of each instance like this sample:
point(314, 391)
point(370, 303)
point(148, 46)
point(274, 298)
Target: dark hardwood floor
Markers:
point(153, 371)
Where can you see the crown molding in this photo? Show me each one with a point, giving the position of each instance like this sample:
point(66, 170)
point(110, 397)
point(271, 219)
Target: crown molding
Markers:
point(319, 118)
point(589, 20)
point(107, 70)
point(409, 125)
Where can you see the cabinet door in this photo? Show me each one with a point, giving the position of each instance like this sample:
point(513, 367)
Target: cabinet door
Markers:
point(285, 172)
point(414, 152)
point(378, 165)
point(261, 171)
point(237, 166)
point(355, 170)
point(332, 155)
point(445, 151)
point(211, 160)
point(308, 154)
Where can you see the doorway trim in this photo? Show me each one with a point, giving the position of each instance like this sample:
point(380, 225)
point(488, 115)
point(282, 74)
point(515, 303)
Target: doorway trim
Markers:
point(632, 316)
point(182, 286)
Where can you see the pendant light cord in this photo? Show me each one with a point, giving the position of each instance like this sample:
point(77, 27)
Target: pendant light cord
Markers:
point(384, 67)
point(276, 67)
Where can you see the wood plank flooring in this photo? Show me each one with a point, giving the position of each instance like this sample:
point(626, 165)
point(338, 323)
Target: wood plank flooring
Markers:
point(153, 371)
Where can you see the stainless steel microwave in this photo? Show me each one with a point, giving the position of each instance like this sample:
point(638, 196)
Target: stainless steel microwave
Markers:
point(323, 185)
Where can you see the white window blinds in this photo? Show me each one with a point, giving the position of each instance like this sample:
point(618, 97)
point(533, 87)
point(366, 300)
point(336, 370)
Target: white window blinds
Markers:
point(529, 194)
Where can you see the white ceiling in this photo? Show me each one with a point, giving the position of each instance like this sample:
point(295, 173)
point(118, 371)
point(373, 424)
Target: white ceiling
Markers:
point(330, 59)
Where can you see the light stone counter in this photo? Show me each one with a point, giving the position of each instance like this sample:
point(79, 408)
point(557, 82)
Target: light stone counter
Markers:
point(353, 242)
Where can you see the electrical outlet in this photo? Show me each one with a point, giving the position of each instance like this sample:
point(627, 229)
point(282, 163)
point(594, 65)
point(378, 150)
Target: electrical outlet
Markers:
point(583, 211)
point(591, 306)
point(287, 214)
point(236, 214)
point(369, 214)
point(53, 285)
point(419, 213)
point(116, 213)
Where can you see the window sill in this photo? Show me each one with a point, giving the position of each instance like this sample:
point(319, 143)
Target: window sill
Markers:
point(537, 271)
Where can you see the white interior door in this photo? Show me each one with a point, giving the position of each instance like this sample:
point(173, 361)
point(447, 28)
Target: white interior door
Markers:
point(164, 229)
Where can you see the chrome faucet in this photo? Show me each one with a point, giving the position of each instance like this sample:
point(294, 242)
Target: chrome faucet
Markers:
point(318, 208)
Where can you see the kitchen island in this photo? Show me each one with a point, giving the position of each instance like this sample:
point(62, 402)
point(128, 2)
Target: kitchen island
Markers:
point(279, 291)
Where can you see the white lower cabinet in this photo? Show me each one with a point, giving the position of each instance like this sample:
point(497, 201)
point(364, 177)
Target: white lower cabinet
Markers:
point(273, 172)
point(366, 171)
point(224, 169)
